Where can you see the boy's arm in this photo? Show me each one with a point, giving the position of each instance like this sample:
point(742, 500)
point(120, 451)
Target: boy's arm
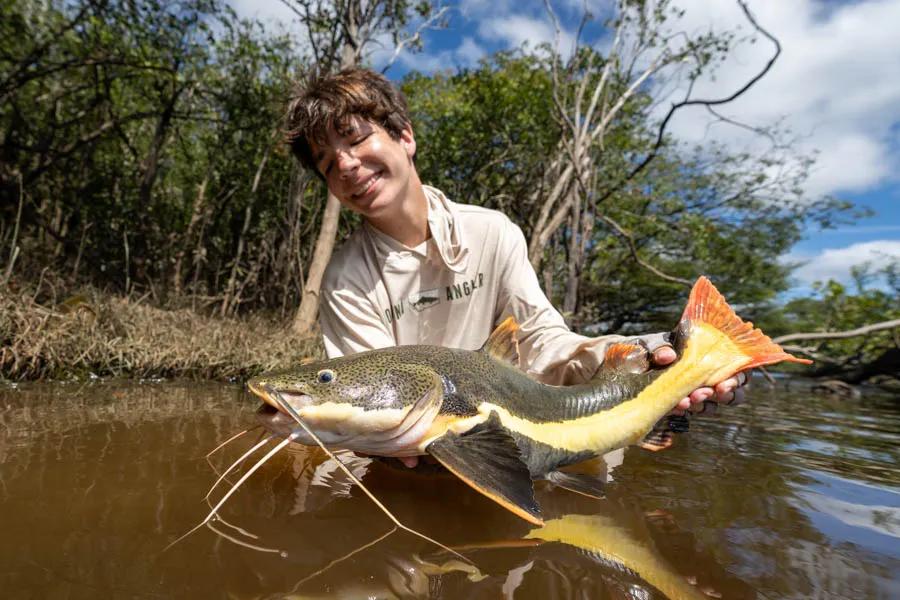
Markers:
point(549, 350)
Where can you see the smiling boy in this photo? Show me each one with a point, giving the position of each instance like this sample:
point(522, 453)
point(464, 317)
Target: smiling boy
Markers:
point(423, 269)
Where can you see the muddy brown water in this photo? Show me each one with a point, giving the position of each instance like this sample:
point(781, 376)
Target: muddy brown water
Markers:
point(790, 496)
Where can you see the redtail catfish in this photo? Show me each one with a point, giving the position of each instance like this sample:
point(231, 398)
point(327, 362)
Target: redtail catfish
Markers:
point(489, 423)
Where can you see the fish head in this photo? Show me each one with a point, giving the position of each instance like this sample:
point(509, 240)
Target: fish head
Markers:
point(375, 402)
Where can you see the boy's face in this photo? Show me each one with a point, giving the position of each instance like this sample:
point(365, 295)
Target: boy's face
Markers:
point(367, 169)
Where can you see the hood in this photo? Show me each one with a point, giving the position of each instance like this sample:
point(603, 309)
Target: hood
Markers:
point(446, 231)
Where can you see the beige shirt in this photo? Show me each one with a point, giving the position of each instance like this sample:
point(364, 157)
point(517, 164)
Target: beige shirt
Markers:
point(451, 291)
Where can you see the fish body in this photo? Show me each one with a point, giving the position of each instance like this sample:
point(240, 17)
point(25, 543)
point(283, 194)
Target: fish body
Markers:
point(457, 390)
point(492, 425)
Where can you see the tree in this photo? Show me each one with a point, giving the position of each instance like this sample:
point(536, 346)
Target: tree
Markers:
point(488, 136)
point(136, 131)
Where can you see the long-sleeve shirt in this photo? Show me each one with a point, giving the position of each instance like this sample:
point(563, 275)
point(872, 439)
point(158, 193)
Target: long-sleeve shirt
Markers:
point(452, 290)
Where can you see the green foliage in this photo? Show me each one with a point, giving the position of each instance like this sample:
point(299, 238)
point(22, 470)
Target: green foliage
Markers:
point(136, 131)
point(484, 134)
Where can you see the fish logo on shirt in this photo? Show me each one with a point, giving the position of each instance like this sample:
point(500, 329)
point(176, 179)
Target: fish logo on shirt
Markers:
point(423, 299)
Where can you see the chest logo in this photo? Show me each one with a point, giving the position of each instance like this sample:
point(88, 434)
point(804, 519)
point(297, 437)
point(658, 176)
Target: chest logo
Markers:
point(423, 299)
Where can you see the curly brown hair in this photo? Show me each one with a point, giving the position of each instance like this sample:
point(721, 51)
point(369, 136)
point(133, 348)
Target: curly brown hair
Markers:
point(331, 101)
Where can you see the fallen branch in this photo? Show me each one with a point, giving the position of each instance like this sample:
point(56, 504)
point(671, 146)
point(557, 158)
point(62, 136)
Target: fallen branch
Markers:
point(836, 335)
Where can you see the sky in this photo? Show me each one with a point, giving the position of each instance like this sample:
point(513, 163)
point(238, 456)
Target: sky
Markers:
point(835, 88)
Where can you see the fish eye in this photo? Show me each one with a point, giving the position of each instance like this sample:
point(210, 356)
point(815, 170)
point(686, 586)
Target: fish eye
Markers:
point(325, 376)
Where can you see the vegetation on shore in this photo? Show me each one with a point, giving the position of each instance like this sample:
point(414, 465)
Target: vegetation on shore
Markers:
point(93, 335)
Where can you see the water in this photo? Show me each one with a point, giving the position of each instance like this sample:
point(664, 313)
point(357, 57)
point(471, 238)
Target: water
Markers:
point(790, 496)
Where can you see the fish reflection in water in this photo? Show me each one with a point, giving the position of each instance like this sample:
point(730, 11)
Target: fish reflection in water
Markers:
point(341, 546)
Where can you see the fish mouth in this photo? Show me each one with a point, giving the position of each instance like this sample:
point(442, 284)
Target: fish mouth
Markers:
point(266, 393)
point(275, 421)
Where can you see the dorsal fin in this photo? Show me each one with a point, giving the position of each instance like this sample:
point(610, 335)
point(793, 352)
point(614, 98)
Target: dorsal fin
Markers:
point(504, 342)
point(627, 356)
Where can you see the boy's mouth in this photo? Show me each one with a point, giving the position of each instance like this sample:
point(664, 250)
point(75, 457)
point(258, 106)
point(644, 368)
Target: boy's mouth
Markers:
point(366, 186)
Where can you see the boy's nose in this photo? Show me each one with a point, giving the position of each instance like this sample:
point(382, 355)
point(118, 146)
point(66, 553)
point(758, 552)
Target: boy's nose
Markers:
point(347, 163)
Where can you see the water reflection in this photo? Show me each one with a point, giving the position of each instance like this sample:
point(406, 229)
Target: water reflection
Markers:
point(790, 496)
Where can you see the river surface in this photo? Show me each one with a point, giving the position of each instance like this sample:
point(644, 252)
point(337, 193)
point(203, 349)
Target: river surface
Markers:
point(789, 496)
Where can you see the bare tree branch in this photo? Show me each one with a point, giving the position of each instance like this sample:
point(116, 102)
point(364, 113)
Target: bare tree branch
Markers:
point(634, 253)
point(695, 102)
point(415, 36)
point(837, 335)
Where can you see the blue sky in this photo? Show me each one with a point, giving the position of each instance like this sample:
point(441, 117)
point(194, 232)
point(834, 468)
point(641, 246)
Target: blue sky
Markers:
point(836, 87)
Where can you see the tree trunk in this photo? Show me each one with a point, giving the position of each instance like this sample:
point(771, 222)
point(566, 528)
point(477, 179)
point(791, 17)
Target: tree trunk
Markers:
point(305, 318)
point(229, 302)
point(573, 270)
point(309, 303)
point(150, 166)
point(197, 213)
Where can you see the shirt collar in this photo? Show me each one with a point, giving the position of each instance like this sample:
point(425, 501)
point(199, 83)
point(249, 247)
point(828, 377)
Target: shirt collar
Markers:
point(446, 234)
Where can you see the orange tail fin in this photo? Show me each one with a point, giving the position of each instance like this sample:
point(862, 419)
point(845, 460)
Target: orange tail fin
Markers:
point(706, 305)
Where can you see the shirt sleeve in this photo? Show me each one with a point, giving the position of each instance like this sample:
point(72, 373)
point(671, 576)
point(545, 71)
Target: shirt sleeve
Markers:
point(350, 323)
point(549, 351)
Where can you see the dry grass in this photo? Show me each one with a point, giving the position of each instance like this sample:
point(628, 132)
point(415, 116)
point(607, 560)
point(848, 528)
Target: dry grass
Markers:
point(90, 334)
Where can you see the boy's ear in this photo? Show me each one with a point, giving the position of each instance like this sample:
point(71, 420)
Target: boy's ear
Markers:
point(408, 139)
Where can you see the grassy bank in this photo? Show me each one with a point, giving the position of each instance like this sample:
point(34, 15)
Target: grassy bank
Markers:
point(90, 334)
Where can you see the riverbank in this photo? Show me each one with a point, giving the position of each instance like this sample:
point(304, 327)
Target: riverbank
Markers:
point(93, 335)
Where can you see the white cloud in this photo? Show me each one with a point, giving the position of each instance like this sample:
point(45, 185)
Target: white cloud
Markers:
point(835, 263)
point(264, 10)
point(467, 54)
point(517, 29)
point(469, 51)
point(836, 84)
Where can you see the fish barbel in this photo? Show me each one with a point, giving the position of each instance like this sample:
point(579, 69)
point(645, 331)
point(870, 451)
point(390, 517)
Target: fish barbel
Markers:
point(489, 423)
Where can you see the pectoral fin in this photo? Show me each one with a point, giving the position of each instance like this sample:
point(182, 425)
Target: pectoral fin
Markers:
point(488, 459)
point(627, 357)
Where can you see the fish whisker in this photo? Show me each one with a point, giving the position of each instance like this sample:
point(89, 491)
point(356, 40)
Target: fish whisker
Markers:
point(343, 558)
point(240, 530)
point(235, 540)
point(231, 439)
point(235, 487)
point(293, 413)
point(236, 463)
